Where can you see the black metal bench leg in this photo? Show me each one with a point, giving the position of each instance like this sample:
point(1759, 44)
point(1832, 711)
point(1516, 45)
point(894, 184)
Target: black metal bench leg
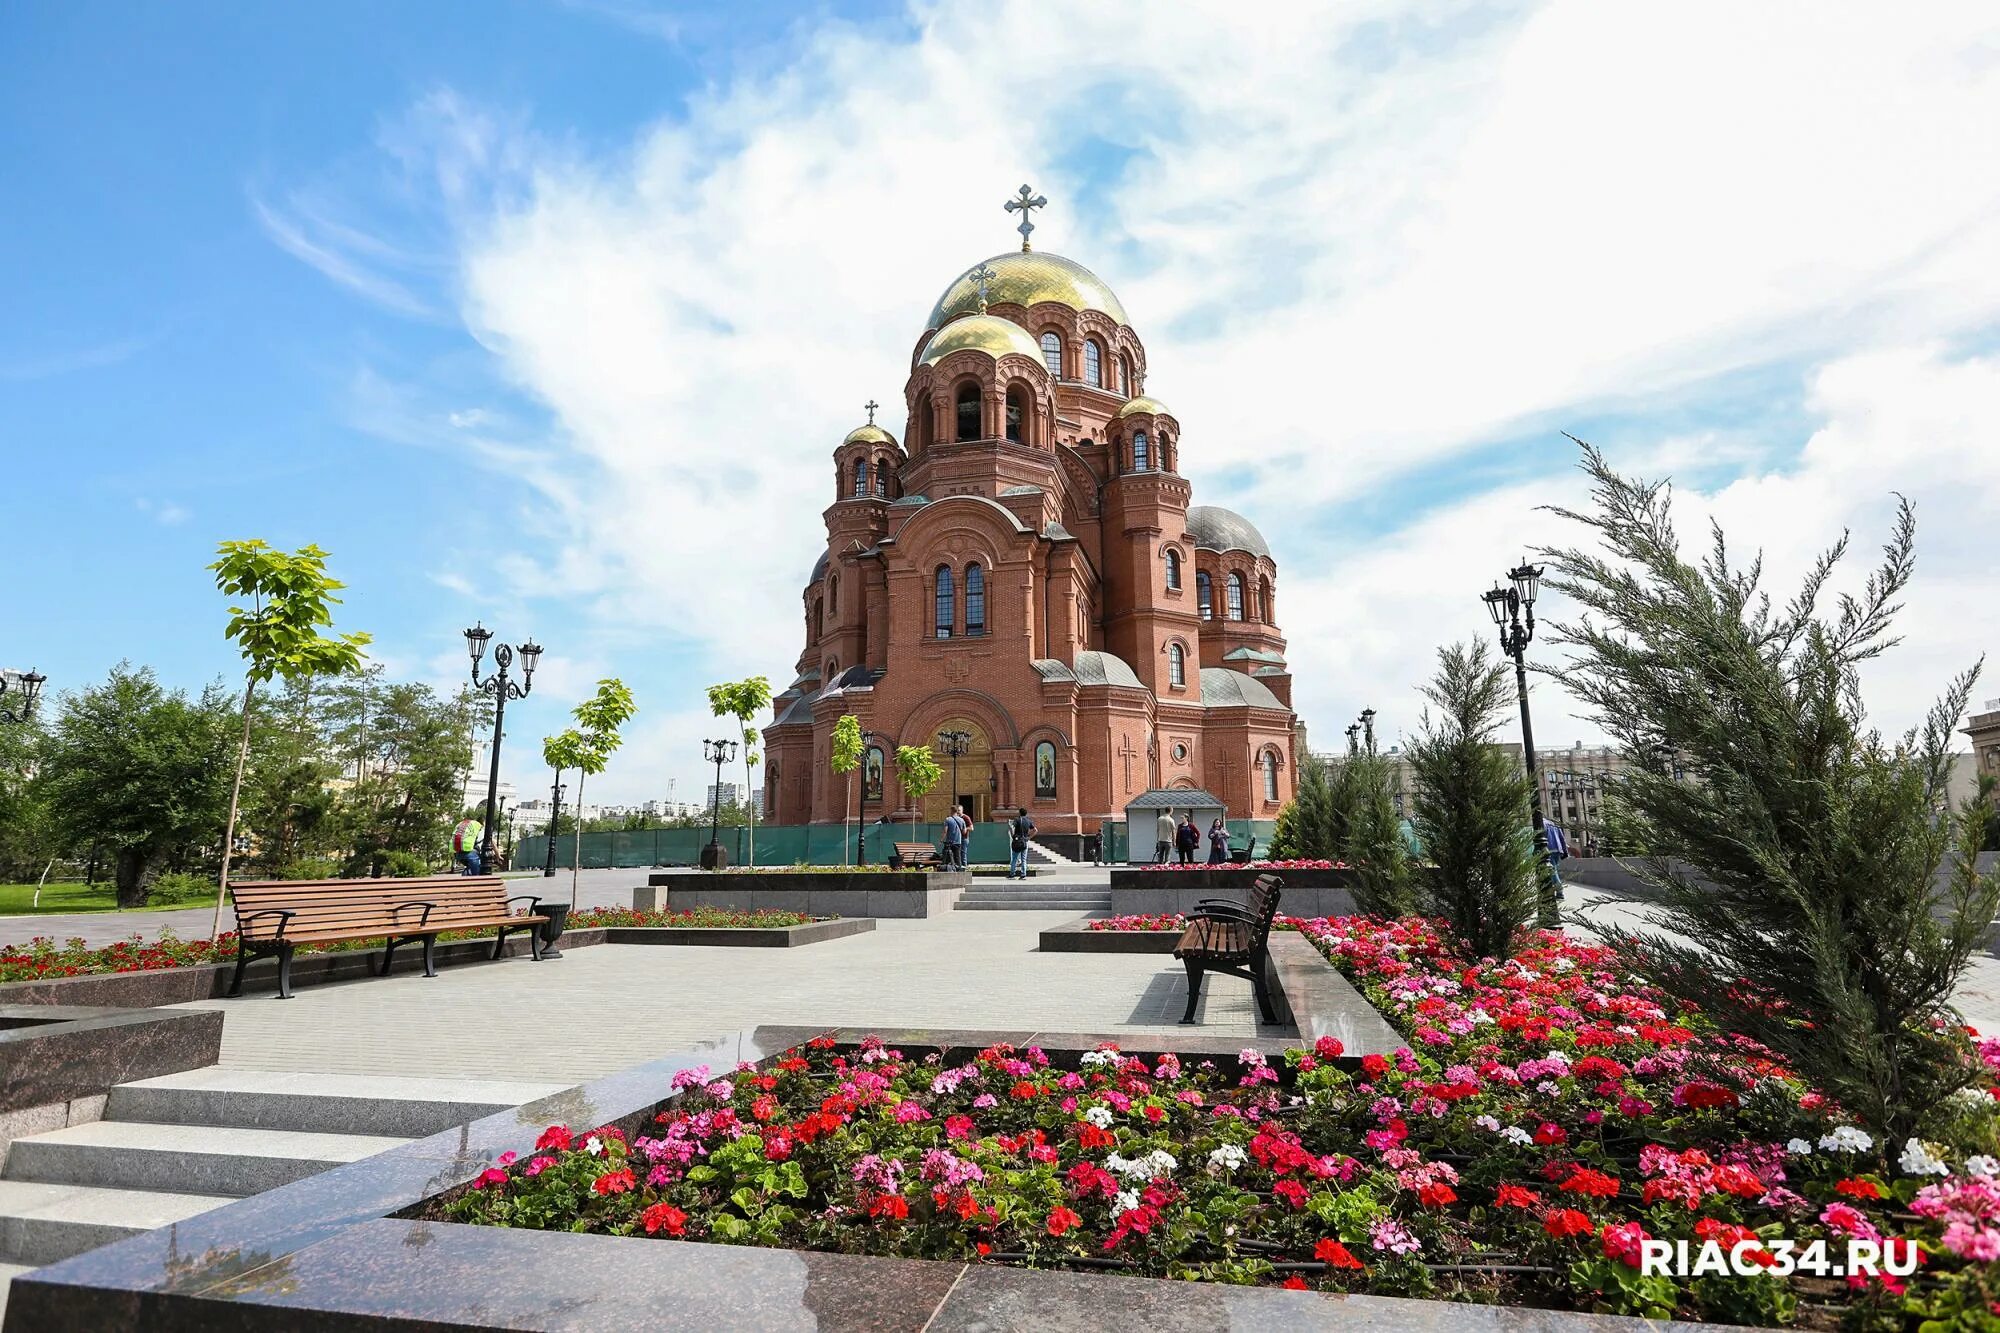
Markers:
point(430, 956)
point(1194, 971)
point(500, 942)
point(1260, 982)
point(535, 943)
point(388, 956)
point(284, 971)
point(242, 961)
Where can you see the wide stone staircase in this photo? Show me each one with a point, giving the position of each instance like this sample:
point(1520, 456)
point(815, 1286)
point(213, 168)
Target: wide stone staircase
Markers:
point(171, 1147)
point(1050, 891)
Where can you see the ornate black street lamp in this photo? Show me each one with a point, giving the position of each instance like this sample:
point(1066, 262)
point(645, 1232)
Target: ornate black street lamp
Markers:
point(717, 753)
point(1368, 728)
point(1353, 739)
point(555, 817)
point(955, 744)
point(1508, 607)
point(861, 817)
point(502, 689)
point(29, 686)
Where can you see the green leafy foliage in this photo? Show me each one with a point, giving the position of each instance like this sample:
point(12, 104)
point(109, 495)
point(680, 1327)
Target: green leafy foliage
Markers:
point(290, 599)
point(139, 771)
point(1471, 807)
point(917, 770)
point(1802, 892)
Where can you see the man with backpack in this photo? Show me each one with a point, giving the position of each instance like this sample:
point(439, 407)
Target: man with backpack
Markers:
point(1023, 829)
point(954, 839)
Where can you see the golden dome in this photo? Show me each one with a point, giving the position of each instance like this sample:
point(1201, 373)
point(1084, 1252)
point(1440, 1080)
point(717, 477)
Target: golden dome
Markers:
point(984, 333)
point(1144, 404)
point(1025, 279)
point(869, 435)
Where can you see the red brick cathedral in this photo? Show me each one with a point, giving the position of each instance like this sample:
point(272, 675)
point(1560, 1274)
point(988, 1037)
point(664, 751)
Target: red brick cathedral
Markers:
point(1024, 567)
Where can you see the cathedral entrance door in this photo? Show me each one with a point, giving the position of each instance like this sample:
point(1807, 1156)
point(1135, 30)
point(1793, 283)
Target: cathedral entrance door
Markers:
point(974, 789)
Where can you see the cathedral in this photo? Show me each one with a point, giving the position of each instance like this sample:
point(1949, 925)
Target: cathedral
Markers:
point(1024, 569)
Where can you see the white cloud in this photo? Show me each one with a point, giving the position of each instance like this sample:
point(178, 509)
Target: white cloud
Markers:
point(1358, 241)
point(165, 512)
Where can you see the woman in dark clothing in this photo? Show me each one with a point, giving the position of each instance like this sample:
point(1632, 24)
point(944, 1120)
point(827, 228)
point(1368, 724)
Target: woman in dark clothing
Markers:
point(1187, 839)
point(1218, 843)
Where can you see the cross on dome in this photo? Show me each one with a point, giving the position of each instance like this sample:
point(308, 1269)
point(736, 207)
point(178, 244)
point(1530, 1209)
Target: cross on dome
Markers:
point(871, 405)
point(983, 275)
point(1026, 201)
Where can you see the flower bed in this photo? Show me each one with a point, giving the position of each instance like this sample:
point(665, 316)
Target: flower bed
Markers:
point(1247, 865)
point(1551, 1119)
point(710, 918)
point(1145, 921)
point(43, 959)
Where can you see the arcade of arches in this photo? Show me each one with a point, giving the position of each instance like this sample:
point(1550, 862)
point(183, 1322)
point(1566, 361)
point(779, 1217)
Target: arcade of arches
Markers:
point(1030, 571)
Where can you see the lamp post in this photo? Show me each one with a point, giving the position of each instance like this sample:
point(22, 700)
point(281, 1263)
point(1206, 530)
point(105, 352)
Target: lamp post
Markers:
point(1513, 610)
point(955, 744)
point(502, 690)
point(29, 686)
point(1368, 728)
point(717, 753)
point(1353, 743)
point(861, 809)
point(555, 818)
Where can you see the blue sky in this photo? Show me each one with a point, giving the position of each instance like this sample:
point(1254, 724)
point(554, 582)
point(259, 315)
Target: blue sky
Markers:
point(551, 313)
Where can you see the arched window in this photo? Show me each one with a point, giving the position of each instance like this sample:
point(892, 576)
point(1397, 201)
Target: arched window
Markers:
point(975, 601)
point(1052, 353)
point(860, 477)
point(819, 616)
point(832, 670)
point(926, 422)
point(1264, 600)
point(1166, 457)
point(1176, 664)
point(1204, 598)
point(1045, 770)
point(1173, 571)
point(1125, 374)
point(1141, 455)
point(1017, 413)
point(1235, 597)
point(1093, 363)
point(833, 595)
point(968, 411)
point(944, 599)
point(1270, 775)
point(882, 478)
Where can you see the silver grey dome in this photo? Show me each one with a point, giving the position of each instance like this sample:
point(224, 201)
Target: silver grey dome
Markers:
point(1223, 688)
point(1213, 528)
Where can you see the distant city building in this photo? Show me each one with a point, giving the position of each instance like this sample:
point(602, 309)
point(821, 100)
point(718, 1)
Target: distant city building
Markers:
point(1984, 729)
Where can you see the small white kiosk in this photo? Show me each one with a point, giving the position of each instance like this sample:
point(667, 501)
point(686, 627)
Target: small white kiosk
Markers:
point(1143, 812)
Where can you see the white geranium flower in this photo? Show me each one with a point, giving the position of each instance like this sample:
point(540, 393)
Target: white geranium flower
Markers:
point(1847, 1138)
point(1099, 1116)
point(594, 1146)
point(1515, 1134)
point(1487, 1123)
point(1919, 1160)
point(1982, 1165)
point(1799, 1148)
point(1126, 1201)
point(1100, 1058)
point(1225, 1159)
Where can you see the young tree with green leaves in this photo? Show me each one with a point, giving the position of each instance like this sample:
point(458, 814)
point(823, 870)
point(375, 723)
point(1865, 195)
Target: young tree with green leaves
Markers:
point(139, 771)
point(566, 749)
point(846, 751)
point(291, 599)
point(744, 700)
point(599, 717)
point(917, 771)
point(1471, 807)
point(1802, 888)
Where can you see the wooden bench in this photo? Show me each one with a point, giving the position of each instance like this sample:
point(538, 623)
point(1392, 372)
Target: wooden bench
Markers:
point(274, 917)
point(1230, 937)
point(1245, 855)
point(914, 854)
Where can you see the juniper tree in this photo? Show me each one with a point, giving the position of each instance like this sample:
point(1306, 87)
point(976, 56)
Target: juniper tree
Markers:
point(1798, 867)
point(1373, 843)
point(1313, 824)
point(1471, 807)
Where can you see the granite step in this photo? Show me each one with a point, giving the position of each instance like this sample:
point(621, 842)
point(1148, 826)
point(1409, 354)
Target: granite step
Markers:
point(197, 1159)
point(41, 1223)
point(1053, 905)
point(397, 1107)
point(8, 1272)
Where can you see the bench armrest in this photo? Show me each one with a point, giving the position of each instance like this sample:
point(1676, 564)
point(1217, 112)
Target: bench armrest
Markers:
point(1221, 912)
point(1236, 903)
point(421, 921)
point(242, 919)
point(533, 900)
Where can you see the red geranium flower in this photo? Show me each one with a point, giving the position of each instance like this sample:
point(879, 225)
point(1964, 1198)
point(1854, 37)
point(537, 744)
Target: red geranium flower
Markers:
point(1334, 1254)
point(614, 1182)
point(1436, 1195)
point(555, 1137)
point(1563, 1222)
point(1294, 1283)
point(1329, 1048)
point(1622, 1242)
point(1583, 1180)
point(1856, 1188)
point(664, 1217)
point(1514, 1196)
point(1062, 1219)
point(1291, 1192)
point(1374, 1066)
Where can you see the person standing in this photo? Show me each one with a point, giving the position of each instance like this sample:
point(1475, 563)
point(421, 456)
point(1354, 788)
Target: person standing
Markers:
point(1218, 843)
point(465, 846)
point(1186, 839)
point(954, 840)
point(1166, 831)
point(1024, 829)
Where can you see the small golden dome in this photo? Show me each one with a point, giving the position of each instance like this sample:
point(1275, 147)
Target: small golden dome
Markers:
point(984, 333)
point(1144, 404)
point(1026, 279)
point(869, 435)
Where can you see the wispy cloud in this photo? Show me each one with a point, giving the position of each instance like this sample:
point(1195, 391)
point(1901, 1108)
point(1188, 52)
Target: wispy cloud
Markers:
point(340, 252)
point(165, 512)
point(48, 365)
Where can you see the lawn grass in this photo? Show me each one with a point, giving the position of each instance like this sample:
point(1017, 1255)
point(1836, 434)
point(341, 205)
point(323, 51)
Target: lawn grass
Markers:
point(75, 896)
